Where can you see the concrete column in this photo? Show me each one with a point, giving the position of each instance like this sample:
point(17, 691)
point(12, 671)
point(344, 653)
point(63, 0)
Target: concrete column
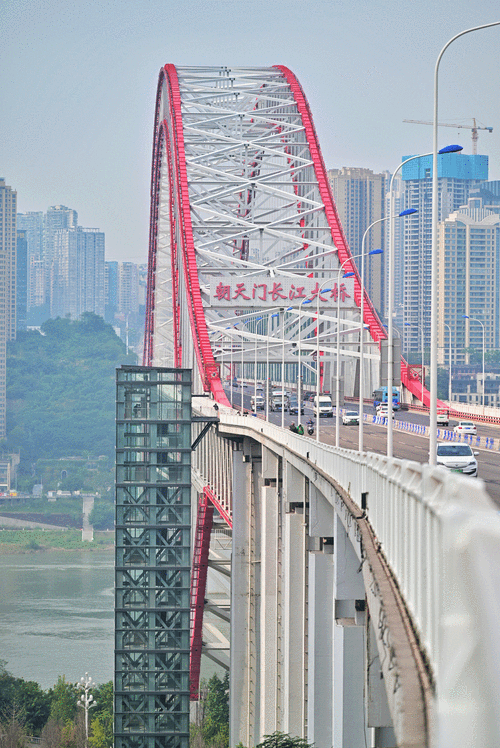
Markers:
point(320, 622)
point(294, 605)
point(269, 622)
point(349, 721)
point(320, 651)
point(377, 707)
point(243, 695)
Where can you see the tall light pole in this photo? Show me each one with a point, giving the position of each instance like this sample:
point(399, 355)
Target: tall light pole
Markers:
point(299, 383)
point(86, 702)
point(434, 257)
point(407, 212)
point(474, 319)
point(320, 291)
point(269, 318)
point(283, 372)
point(449, 362)
point(257, 320)
point(337, 388)
point(390, 293)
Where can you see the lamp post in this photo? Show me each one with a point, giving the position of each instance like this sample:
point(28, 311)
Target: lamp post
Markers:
point(390, 293)
point(269, 318)
point(86, 702)
point(337, 388)
point(434, 257)
point(449, 362)
point(320, 291)
point(299, 383)
point(257, 320)
point(283, 371)
point(407, 212)
point(474, 319)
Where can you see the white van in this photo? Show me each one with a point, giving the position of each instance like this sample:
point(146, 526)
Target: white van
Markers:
point(258, 402)
point(322, 406)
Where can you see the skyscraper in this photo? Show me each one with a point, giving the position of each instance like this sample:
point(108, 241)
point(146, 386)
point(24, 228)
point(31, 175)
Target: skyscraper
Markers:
point(77, 272)
point(8, 238)
point(359, 195)
point(33, 223)
point(469, 281)
point(457, 175)
point(21, 280)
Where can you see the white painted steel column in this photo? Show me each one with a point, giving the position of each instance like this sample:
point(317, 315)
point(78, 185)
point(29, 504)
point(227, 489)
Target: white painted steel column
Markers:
point(268, 611)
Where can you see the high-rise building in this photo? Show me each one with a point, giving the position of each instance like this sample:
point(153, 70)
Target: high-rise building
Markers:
point(469, 282)
point(8, 239)
point(77, 272)
point(110, 290)
point(21, 280)
point(359, 195)
point(33, 223)
point(128, 288)
point(457, 175)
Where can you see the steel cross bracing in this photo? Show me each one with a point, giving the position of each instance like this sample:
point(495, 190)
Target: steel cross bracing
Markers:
point(239, 190)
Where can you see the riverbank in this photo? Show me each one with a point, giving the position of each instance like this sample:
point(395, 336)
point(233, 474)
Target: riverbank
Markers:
point(35, 540)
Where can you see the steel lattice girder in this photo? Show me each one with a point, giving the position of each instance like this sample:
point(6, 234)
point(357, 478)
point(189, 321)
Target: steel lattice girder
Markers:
point(239, 189)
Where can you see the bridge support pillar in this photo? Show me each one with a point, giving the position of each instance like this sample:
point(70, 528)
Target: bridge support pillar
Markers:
point(294, 646)
point(349, 721)
point(243, 654)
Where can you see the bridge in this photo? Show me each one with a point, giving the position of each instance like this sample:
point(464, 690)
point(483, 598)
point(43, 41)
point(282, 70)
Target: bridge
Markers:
point(361, 590)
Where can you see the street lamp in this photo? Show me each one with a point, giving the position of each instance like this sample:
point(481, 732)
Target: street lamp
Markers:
point(434, 257)
point(299, 383)
point(283, 371)
point(257, 320)
point(269, 318)
point(390, 294)
point(407, 212)
point(320, 291)
point(337, 388)
point(86, 702)
point(449, 357)
point(474, 319)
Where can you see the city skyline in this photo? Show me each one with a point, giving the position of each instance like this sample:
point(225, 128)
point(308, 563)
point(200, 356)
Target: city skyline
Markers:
point(94, 76)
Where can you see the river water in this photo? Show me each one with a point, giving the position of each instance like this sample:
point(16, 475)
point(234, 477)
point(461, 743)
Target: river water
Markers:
point(57, 615)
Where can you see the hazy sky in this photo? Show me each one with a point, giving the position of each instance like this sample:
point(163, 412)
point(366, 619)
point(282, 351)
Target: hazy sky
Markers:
point(78, 83)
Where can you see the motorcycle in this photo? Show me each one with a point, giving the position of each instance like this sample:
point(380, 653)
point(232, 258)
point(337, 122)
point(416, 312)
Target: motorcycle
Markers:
point(310, 428)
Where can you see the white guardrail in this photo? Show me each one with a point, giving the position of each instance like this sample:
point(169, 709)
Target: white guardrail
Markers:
point(440, 534)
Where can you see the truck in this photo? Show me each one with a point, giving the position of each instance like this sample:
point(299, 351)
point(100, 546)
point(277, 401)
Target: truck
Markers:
point(322, 406)
point(442, 417)
point(380, 396)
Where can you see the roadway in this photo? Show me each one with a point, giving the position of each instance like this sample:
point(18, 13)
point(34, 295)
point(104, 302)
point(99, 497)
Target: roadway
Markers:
point(406, 445)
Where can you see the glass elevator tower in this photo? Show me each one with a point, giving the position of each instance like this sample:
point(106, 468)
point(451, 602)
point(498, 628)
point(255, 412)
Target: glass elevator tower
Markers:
point(152, 557)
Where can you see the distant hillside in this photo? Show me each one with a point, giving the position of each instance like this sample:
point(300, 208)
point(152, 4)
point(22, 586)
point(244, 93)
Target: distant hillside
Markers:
point(61, 389)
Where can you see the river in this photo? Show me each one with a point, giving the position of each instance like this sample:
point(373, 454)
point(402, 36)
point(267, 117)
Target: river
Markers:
point(57, 615)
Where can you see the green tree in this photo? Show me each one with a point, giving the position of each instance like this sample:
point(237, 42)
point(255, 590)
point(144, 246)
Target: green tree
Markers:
point(25, 698)
point(283, 740)
point(102, 516)
point(215, 726)
point(102, 722)
point(63, 701)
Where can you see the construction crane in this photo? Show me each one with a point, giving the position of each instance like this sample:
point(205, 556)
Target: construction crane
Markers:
point(474, 129)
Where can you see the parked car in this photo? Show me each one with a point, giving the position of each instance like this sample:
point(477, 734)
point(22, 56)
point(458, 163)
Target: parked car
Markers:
point(350, 418)
point(457, 457)
point(465, 427)
point(293, 406)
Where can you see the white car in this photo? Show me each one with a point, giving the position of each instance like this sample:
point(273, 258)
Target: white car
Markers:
point(383, 411)
point(350, 418)
point(458, 458)
point(465, 427)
